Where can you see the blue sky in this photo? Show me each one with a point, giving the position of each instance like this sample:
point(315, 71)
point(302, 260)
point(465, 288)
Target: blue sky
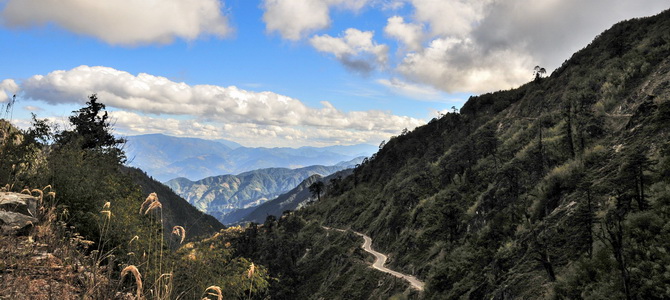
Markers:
point(284, 72)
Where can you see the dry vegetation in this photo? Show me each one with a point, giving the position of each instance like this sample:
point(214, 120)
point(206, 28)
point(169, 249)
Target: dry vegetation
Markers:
point(53, 261)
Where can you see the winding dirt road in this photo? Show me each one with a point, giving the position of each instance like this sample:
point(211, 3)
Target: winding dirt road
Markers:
point(380, 261)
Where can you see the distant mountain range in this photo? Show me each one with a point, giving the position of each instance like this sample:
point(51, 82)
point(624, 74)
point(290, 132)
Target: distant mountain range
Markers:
point(291, 200)
point(167, 157)
point(221, 195)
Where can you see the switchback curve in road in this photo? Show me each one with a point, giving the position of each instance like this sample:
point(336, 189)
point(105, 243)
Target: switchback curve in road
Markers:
point(380, 261)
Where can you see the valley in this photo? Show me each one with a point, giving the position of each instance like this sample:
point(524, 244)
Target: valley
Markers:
point(165, 157)
point(555, 189)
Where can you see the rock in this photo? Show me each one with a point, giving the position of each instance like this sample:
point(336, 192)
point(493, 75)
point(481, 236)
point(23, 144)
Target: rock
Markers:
point(17, 213)
point(15, 223)
point(19, 203)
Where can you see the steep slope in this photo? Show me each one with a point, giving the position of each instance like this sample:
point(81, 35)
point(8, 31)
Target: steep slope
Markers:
point(221, 195)
point(556, 189)
point(291, 200)
point(176, 210)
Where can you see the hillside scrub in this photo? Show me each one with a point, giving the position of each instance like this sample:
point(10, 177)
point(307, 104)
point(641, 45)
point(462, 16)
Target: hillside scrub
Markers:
point(96, 220)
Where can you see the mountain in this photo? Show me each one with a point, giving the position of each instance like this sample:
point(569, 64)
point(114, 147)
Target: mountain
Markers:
point(165, 157)
point(156, 154)
point(289, 201)
point(229, 144)
point(176, 210)
point(221, 195)
point(558, 189)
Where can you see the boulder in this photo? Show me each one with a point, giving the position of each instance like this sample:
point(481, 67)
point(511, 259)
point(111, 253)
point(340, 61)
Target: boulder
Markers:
point(17, 213)
point(18, 203)
point(15, 223)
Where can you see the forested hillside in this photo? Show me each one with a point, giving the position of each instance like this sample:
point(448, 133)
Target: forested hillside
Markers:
point(294, 199)
point(222, 195)
point(557, 189)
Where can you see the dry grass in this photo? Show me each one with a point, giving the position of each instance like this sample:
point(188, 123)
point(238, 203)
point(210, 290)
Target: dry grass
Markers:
point(138, 278)
point(49, 263)
point(154, 205)
point(250, 275)
point(251, 271)
point(180, 232)
point(39, 192)
point(150, 199)
point(217, 292)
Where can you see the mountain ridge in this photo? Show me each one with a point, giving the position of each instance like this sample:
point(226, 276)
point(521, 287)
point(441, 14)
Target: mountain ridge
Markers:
point(558, 189)
point(223, 194)
point(166, 157)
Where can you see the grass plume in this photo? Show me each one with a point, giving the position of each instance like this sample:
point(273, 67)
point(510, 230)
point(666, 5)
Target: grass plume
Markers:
point(180, 232)
point(155, 204)
point(138, 278)
point(217, 292)
point(150, 199)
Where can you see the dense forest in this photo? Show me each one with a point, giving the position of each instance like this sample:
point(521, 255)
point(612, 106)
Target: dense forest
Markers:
point(558, 189)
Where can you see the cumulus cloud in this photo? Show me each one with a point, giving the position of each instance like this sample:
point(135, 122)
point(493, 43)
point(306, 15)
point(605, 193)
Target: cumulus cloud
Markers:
point(551, 31)
point(294, 19)
point(450, 17)
point(123, 22)
point(411, 35)
point(461, 65)
point(248, 134)
point(484, 45)
point(356, 49)
point(415, 91)
point(8, 88)
point(206, 104)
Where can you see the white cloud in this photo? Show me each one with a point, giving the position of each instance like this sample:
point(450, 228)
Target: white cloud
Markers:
point(294, 19)
point(551, 31)
point(206, 104)
point(123, 22)
point(8, 88)
point(484, 45)
point(457, 65)
point(415, 91)
point(355, 49)
point(409, 34)
point(392, 4)
point(248, 134)
point(32, 108)
point(450, 17)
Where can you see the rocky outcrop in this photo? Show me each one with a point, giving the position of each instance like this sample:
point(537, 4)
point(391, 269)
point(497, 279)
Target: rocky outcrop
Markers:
point(17, 213)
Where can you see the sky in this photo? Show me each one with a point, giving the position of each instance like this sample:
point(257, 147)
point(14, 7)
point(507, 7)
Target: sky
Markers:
point(278, 73)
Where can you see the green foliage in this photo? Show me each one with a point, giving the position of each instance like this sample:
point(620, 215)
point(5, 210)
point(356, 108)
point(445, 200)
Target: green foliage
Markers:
point(212, 262)
point(99, 200)
point(92, 130)
point(548, 190)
